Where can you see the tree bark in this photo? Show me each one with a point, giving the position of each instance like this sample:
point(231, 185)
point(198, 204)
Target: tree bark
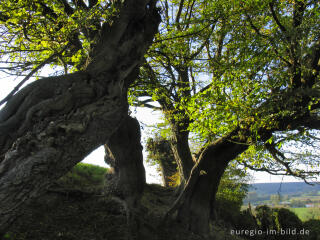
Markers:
point(197, 199)
point(180, 143)
point(124, 155)
point(53, 123)
point(181, 151)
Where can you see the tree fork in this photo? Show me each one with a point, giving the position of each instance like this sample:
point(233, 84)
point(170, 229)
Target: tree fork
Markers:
point(84, 110)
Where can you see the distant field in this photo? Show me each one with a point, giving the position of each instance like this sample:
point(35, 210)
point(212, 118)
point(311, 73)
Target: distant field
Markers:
point(306, 213)
point(304, 198)
point(302, 213)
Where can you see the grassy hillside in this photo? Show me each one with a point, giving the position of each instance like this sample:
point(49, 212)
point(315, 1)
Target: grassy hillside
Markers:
point(84, 176)
point(306, 214)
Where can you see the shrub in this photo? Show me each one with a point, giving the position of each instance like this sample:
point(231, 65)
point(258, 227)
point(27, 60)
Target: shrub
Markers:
point(265, 218)
point(285, 219)
point(313, 226)
point(84, 175)
point(246, 220)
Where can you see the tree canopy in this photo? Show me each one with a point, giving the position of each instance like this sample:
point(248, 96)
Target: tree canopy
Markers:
point(251, 65)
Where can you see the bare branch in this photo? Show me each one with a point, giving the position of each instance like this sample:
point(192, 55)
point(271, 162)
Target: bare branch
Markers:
point(182, 36)
point(145, 103)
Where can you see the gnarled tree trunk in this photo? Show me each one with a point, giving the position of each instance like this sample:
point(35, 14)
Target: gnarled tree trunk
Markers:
point(53, 123)
point(197, 199)
point(124, 155)
point(128, 177)
point(181, 150)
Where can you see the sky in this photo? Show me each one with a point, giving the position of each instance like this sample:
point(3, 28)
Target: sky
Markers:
point(147, 118)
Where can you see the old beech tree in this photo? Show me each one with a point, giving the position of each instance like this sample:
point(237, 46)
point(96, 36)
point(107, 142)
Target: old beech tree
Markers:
point(53, 123)
point(264, 96)
point(263, 91)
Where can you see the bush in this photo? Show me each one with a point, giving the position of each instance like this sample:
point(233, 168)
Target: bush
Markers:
point(314, 228)
point(285, 219)
point(246, 220)
point(265, 218)
point(84, 175)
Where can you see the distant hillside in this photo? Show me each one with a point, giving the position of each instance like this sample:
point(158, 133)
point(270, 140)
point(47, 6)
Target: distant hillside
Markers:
point(288, 188)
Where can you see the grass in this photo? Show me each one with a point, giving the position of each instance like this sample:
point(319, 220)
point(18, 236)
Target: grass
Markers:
point(84, 176)
point(306, 214)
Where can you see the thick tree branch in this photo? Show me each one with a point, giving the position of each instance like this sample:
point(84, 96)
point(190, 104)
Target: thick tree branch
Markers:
point(298, 11)
point(202, 46)
point(179, 14)
point(47, 11)
point(80, 4)
point(92, 3)
point(276, 19)
point(275, 154)
point(3, 17)
point(145, 103)
point(52, 117)
point(67, 8)
point(274, 47)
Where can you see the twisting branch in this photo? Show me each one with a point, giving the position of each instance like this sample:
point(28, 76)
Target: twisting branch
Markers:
point(196, 53)
point(145, 103)
point(179, 13)
point(276, 19)
point(312, 137)
point(259, 33)
point(183, 36)
point(80, 3)
point(255, 28)
point(275, 154)
point(92, 3)
point(67, 8)
point(275, 172)
point(279, 172)
point(41, 65)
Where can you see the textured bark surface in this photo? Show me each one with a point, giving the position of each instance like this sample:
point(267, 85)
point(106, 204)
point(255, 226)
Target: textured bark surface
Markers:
point(124, 155)
point(197, 199)
point(182, 154)
point(53, 123)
